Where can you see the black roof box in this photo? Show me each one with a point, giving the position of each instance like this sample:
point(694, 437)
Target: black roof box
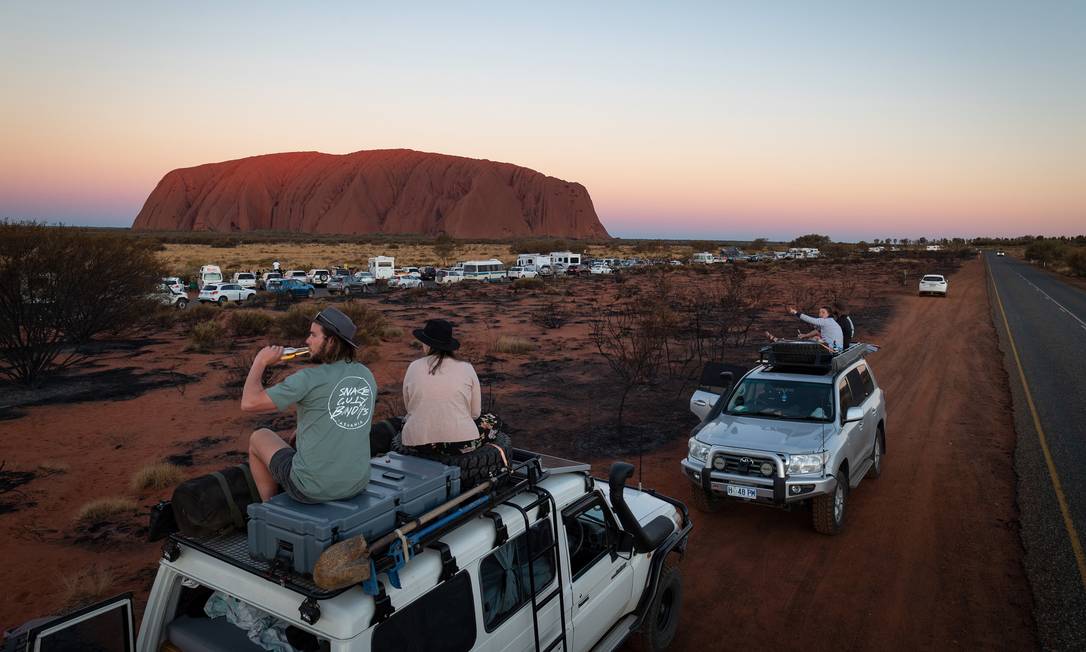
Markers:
point(809, 356)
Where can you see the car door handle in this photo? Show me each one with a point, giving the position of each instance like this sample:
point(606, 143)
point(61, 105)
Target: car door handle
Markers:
point(700, 403)
point(582, 602)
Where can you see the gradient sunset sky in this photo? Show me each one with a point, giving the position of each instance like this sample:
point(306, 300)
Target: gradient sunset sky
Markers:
point(724, 120)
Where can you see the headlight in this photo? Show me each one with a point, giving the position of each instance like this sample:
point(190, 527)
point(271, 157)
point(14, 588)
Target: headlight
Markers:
point(804, 464)
point(698, 450)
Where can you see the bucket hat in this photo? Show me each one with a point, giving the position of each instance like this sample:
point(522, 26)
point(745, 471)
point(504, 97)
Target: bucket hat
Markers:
point(339, 323)
point(437, 334)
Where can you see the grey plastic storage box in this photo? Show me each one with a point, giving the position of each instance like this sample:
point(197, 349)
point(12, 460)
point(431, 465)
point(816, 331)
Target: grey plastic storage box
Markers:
point(401, 486)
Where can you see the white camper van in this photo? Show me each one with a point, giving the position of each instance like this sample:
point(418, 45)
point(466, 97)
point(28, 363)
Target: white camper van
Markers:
point(209, 275)
point(565, 258)
point(533, 260)
point(383, 267)
point(704, 257)
point(484, 270)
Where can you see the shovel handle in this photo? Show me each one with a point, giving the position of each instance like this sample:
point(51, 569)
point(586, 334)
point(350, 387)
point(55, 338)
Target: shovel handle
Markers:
point(434, 513)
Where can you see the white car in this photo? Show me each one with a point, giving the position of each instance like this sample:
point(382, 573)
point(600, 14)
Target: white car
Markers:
point(170, 297)
point(933, 284)
point(1001, 253)
point(412, 280)
point(174, 283)
point(318, 277)
point(600, 269)
point(446, 276)
point(297, 274)
point(245, 279)
point(558, 560)
point(269, 276)
point(521, 272)
point(363, 278)
point(225, 292)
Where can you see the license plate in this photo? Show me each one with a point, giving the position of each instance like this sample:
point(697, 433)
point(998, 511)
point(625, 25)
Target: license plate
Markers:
point(749, 493)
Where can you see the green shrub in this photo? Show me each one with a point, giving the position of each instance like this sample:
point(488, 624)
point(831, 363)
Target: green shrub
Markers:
point(206, 336)
point(294, 323)
point(1076, 261)
point(196, 313)
point(249, 323)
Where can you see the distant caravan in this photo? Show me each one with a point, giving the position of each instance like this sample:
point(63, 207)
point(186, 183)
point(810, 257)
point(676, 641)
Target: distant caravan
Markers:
point(484, 270)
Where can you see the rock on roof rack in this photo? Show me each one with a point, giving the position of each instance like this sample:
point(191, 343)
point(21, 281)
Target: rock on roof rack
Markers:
point(808, 356)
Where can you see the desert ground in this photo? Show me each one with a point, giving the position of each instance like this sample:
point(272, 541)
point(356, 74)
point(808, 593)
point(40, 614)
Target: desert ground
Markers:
point(931, 556)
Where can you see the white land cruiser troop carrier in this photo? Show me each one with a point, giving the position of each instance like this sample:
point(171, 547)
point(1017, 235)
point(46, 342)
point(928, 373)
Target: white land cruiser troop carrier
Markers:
point(803, 426)
point(549, 558)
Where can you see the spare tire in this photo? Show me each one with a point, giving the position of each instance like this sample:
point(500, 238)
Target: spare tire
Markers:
point(475, 467)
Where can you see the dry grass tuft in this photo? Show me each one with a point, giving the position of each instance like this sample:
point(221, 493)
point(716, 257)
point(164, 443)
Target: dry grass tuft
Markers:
point(103, 508)
point(207, 337)
point(86, 586)
point(514, 345)
point(156, 476)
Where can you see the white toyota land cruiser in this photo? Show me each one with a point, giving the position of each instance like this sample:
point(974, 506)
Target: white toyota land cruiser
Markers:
point(550, 559)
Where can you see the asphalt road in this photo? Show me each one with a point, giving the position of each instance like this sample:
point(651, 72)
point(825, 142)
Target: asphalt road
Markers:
point(1047, 320)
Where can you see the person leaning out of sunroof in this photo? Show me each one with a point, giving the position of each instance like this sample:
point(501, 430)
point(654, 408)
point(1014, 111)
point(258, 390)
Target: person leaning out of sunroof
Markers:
point(328, 457)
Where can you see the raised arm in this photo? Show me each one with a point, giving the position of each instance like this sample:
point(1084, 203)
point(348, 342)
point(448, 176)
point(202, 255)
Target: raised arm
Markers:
point(254, 398)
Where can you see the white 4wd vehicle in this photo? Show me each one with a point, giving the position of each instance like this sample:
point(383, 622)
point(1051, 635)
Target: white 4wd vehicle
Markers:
point(804, 426)
point(245, 279)
point(551, 559)
point(933, 284)
point(221, 294)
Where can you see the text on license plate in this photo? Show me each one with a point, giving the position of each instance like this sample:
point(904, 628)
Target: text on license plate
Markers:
point(741, 492)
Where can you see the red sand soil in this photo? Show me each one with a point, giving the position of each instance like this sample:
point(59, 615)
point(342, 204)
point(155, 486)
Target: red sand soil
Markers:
point(930, 558)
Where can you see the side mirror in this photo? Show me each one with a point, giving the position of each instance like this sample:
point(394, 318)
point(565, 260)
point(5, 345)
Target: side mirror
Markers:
point(854, 414)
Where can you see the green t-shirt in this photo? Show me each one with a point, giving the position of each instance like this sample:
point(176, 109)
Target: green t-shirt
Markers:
point(335, 406)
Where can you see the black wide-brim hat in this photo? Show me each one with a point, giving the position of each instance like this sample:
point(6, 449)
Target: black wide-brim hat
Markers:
point(437, 334)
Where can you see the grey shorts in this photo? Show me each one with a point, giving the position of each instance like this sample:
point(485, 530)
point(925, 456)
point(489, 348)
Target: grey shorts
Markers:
point(280, 466)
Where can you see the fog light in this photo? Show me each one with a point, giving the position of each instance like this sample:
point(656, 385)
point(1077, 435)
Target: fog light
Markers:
point(794, 489)
point(719, 463)
point(767, 469)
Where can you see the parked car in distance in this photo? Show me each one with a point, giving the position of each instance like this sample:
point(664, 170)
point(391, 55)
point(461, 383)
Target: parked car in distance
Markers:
point(174, 283)
point(446, 276)
point(1001, 253)
point(521, 272)
point(208, 275)
point(337, 284)
point(293, 287)
point(358, 283)
point(412, 280)
point(600, 269)
point(318, 277)
point(933, 284)
point(575, 269)
point(428, 273)
point(363, 278)
point(168, 296)
point(268, 276)
point(225, 292)
point(299, 274)
point(245, 279)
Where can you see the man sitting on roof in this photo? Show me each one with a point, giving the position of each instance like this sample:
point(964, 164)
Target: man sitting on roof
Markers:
point(335, 400)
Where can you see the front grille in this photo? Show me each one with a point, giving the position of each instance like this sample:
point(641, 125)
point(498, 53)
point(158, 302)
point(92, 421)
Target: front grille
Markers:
point(737, 464)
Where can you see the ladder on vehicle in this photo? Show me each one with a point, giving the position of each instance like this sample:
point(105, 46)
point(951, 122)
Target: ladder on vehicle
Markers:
point(545, 502)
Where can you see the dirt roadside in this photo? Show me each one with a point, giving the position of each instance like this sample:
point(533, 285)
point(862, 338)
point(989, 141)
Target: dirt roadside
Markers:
point(931, 557)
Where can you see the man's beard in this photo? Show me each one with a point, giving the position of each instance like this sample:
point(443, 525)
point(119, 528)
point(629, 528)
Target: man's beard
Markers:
point(315, 356)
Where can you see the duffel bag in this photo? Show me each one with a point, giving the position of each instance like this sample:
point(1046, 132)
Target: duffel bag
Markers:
point(214, 502)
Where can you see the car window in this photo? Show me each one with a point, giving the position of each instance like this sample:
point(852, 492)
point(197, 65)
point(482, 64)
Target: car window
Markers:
point(933, 278)
point(782, 399)
point(845, 395)
point(590, 535)
point(504, 577)
point(443, 619)
point(856, 386)
point(867, 380)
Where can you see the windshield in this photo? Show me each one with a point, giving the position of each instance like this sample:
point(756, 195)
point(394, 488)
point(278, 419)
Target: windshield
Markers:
point(933, 278)
point(782, 399)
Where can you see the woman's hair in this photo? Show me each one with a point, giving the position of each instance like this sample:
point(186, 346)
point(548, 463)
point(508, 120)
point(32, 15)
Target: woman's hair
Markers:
point(439, 357)
point(334, 349)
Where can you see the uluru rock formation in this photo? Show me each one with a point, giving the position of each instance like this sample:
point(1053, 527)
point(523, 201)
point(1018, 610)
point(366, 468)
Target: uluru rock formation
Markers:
point(378, 191)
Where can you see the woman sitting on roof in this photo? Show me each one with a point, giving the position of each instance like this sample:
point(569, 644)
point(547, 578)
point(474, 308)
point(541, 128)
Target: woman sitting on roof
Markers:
point(442, 395)
point(827, 331)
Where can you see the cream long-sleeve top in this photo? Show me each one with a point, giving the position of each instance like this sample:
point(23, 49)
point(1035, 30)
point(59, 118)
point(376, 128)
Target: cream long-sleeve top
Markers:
point(442, 406)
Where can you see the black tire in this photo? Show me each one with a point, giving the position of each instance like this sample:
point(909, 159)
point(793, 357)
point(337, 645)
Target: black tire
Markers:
point(475, 467)
point(311, 294)
point(222, 301)
point(828, 515)
point(662, 620)
point(704, 502)
point(182, 304)
point(877, 453)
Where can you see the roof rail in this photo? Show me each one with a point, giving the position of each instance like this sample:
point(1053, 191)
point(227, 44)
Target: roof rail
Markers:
point(810, 356)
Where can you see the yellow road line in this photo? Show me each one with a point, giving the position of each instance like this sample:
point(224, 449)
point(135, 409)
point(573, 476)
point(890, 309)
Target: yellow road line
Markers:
point(1076, 545)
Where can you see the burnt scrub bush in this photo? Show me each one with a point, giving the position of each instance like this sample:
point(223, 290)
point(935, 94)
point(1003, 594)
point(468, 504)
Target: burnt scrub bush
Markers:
point(60, 287)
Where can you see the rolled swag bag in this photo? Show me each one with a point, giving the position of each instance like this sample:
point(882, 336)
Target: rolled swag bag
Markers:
point(214, 502)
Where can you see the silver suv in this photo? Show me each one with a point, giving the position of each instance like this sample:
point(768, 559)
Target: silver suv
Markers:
point(803, 425)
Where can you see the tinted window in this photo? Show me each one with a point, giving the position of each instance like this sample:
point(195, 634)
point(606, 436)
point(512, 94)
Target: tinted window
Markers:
point(933, 278)
point(782, 399)
point(590, 535)
point(866, 379)
point(443, 620)
point(856, 386)
point(845, 396)
point(504, 578)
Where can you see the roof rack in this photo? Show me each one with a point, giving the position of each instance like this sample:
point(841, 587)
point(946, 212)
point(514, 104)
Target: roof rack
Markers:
point(810, 356)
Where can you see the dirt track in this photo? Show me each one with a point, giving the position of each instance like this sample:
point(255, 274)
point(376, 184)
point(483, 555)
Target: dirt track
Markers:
point(930, 558)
